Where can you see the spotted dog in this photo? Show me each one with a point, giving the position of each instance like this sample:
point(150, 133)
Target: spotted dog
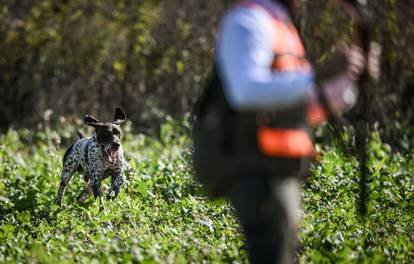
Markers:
point(97, 157)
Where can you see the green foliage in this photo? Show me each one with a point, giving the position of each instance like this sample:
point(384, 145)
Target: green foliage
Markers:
point(333, 232)
point(163, 216)
point(85, 56)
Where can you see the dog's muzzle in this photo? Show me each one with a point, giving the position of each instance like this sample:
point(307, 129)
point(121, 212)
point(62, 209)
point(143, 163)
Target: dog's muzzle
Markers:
point(111, 150)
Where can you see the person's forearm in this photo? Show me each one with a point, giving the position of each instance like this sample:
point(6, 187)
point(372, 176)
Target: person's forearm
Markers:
point(247, 91)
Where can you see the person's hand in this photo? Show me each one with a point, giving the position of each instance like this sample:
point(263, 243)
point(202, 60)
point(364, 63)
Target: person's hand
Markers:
point(346, 59)
point(351, 60)
point(337, 79)
point(356, 61)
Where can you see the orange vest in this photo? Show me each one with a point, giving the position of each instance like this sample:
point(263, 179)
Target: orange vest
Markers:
point(289, 55)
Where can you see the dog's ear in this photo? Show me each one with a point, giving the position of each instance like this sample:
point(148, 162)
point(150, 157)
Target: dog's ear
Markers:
point(92, 121)
point(119, 116)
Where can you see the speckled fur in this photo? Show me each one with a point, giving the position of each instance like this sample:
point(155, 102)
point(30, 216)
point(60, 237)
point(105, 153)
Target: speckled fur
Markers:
point(87, 156)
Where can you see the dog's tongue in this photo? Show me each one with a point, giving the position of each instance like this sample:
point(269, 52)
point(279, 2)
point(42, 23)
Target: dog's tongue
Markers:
point(112, 156)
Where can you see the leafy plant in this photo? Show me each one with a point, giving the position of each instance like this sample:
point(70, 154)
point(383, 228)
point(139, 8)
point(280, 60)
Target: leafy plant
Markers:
point(163, 216)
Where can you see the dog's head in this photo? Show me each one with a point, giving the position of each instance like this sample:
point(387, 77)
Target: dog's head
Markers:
point(109, 134)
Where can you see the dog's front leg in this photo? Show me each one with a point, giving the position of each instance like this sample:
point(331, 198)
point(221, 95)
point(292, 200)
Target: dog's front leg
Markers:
point(116, 182)
point(96, 186)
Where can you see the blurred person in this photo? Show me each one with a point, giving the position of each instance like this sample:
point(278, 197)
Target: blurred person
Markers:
point(251, 131)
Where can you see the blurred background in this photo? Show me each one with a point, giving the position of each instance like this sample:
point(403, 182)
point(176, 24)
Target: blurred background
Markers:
point(69, 58)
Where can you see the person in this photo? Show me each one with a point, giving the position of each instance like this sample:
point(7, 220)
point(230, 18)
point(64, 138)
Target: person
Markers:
point(251, 139)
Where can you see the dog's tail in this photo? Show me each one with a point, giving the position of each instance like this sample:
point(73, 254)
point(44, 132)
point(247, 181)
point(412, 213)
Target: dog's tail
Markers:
point(80, 134)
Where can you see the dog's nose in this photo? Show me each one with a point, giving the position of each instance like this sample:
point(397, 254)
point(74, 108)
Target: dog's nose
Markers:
point(115, 145)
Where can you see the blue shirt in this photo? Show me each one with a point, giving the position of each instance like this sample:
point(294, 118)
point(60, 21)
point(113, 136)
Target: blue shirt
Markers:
point(244, 58)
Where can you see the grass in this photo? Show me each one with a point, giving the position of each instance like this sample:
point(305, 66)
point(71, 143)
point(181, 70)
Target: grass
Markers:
point(163, 216)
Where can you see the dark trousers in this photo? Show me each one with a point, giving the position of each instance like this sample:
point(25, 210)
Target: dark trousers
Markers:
point(267, 206)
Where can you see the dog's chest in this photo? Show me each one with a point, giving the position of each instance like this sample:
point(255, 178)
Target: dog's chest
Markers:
point(91, 155)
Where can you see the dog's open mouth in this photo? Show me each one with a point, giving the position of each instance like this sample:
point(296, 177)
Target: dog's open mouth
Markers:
point(112, 155)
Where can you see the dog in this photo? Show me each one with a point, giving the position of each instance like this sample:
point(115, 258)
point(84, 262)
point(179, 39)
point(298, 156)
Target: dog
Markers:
point(97, 157)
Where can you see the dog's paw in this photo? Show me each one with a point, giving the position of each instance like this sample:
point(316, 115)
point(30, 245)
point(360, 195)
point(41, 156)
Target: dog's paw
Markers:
point(58, 201)
point(81, 199)
point(111, 195)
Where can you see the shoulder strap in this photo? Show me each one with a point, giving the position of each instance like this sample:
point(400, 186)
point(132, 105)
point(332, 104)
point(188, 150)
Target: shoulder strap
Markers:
point(212, 91)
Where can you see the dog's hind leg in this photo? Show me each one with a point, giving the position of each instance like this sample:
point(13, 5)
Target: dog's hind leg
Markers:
point(70, 165)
